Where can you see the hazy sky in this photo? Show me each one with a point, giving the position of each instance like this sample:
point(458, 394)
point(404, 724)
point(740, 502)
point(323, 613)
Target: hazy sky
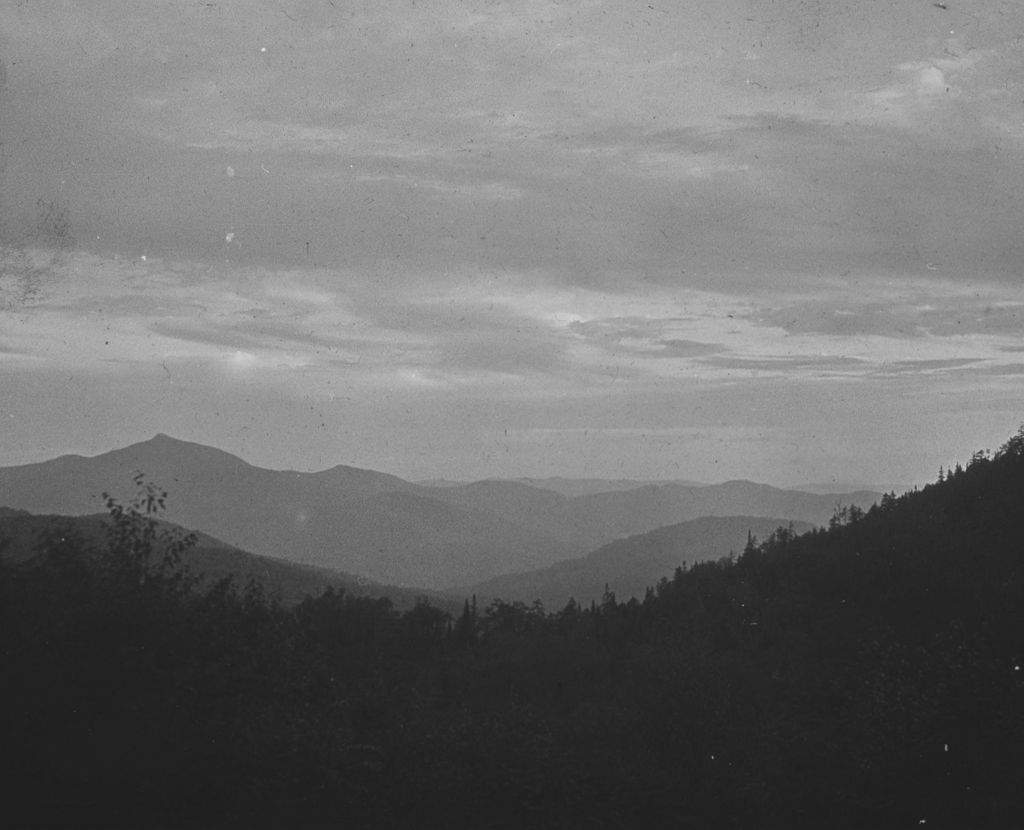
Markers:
point(706, 239)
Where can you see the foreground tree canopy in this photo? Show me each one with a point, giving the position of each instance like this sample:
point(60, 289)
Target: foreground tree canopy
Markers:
point(867, 674)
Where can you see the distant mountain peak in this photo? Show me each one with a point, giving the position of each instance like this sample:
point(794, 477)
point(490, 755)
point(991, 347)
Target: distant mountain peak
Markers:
point(165, 440)
point(167, 452)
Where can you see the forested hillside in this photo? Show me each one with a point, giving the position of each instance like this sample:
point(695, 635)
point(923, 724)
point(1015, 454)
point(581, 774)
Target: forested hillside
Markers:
point(868, 674)
point(629, 566)
point(208, 560)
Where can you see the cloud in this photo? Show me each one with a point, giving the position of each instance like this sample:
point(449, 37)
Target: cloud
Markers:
point(643, 337)
point(338, 143)
point(484, 191)
point(925, 367)
point(287, 343)
point(907, 309)
point(809, 366)
point(1005, 370)
point(285, 138)
point(463, 331)
point(93, 312)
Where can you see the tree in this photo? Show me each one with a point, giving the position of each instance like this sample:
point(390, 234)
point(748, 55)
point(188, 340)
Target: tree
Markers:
point(139, 547)
point(1013, 448)
point(464, 627)
point(750, 549)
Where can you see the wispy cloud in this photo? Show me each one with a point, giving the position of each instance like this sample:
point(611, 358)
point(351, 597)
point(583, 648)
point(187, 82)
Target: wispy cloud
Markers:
point(477, 190)
point(925, 367)
point(93, 312)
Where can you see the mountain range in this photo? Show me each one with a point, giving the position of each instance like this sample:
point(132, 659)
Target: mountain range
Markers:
point(628, 567)
point(387, 529)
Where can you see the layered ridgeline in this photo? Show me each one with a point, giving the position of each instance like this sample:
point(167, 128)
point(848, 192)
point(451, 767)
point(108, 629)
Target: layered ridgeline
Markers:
point(354, 520)
point(25, 537)
point(629, 567)
point(382, 527)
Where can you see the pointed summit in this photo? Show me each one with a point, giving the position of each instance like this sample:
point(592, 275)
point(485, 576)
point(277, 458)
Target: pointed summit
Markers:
point(163, 452)
point(162, 439)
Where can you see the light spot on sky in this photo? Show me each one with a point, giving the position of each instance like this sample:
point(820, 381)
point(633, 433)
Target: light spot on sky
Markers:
point(242, 360)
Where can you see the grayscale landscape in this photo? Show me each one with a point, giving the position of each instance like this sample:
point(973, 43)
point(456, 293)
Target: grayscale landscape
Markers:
point(502, 414)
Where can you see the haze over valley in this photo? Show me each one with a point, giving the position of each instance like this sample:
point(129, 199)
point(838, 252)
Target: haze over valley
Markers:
point(398, 533)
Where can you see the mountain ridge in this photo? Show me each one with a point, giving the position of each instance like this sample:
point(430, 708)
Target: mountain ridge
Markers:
point(628, 567)
point(381, 526)
point(210, 560)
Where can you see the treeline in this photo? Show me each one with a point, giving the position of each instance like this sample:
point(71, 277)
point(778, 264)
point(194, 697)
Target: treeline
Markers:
point(869, 674)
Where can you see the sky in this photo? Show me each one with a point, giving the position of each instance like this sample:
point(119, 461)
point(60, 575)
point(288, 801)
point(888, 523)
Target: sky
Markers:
point(777, 240)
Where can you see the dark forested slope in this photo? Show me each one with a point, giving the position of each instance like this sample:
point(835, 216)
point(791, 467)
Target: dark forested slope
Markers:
point(627, 567)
